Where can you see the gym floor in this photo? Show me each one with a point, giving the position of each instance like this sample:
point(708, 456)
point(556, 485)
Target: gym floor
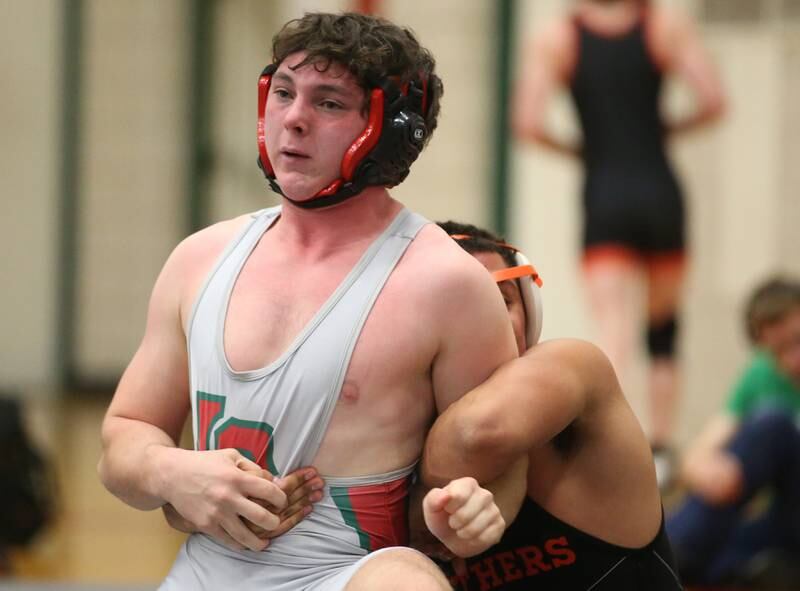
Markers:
point(96, 539)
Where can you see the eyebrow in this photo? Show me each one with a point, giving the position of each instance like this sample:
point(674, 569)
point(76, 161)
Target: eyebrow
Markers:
point(323, 88)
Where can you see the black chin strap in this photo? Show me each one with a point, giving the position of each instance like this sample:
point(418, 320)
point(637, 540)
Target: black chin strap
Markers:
point(345, 192)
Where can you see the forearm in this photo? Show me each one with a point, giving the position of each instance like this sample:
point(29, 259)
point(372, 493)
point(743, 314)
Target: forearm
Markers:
point(545, 139)
point(135, 462)
point(708, 448)
point(459, 445)
point(701, 118)
point(510, 489)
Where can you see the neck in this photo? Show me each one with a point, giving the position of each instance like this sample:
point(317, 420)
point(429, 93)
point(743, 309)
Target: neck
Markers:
point(617, 7)
point(609, 17)
point(318, 232)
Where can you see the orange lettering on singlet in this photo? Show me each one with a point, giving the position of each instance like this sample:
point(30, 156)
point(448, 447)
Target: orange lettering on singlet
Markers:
point(533, 559)
point(508, 563)
point(559, 550)
point(486, 575)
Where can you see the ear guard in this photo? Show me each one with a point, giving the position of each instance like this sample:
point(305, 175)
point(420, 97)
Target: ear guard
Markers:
point(530, 287)
point(381, 155)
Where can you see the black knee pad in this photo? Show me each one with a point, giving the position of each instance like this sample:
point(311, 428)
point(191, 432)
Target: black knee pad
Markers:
point(661, 338)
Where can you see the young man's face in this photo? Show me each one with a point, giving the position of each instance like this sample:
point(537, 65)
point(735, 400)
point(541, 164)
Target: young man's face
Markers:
point(311, 118)
point(782, 338)
point(511, 294)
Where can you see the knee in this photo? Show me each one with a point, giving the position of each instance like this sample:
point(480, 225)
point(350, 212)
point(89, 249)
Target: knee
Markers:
point(661, 336)
point(399, 569)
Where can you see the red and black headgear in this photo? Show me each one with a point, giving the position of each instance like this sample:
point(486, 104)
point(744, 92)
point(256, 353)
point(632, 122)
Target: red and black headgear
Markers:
point(381, 155)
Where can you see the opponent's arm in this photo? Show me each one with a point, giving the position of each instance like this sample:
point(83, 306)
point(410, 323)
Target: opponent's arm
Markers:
point(544, 70)
point(525, 403)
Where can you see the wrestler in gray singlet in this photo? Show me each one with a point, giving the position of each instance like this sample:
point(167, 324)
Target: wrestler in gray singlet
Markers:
point(277, 416)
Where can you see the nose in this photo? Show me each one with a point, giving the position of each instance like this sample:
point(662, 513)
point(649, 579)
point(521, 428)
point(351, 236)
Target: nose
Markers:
point(296, 119)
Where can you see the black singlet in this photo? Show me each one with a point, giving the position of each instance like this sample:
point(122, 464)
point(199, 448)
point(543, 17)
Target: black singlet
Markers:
point(540, 552)
point(631, 196)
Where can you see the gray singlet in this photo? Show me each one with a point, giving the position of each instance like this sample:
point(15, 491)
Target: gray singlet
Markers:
point(278, 415)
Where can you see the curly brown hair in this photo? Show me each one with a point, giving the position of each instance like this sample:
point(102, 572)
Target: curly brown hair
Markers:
point(370, 47)
point(477, 240)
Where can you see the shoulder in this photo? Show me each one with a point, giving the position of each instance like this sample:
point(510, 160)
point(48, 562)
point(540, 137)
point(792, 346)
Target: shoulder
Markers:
point(557, 33)
point(196, 249)
point(668, 20)
point(668, 31)
point(555, 42)
point(210, 240)
point(192, 258)
point(450, 284)
point(760, 367)
point(442, 264)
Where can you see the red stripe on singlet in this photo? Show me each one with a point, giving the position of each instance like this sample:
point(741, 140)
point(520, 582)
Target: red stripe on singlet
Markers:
point(378, 511)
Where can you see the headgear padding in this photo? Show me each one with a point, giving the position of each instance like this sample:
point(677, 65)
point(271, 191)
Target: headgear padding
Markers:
point(530, 289)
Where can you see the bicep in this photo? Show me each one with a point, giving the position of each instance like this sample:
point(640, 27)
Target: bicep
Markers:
point(689, 60)
point(476, 338)
point(154, 387)
point(542, 72)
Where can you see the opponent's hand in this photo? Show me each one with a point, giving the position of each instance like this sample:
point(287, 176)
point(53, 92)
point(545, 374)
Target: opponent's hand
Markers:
point(176, 520)
point(303, 487)
point(464, 517)
point(214, 492)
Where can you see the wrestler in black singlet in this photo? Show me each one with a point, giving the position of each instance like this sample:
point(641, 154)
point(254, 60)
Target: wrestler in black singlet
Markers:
point(540, 552)
point(631, 196)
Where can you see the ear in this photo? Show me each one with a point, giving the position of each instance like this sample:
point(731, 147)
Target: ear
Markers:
point(264, 82)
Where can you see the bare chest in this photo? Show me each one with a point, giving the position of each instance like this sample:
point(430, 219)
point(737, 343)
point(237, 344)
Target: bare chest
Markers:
point(272, 306)
point(268, 309)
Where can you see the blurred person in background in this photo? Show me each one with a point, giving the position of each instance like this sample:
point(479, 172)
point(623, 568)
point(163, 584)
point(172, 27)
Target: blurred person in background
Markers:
point(750, 448)
point(613, 56)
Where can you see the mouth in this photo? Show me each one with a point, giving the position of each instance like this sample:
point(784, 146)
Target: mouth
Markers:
point(293, 154)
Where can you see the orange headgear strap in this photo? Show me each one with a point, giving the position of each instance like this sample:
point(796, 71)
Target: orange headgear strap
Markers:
point(516, 273)
point(509, 272)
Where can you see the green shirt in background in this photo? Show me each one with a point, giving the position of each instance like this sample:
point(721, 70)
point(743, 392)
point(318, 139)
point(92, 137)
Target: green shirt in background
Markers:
point(761, 386)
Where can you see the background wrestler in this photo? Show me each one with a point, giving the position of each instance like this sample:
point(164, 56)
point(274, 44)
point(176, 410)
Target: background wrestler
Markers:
point(301, 258)
point(614, 57)
point(593, 510)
